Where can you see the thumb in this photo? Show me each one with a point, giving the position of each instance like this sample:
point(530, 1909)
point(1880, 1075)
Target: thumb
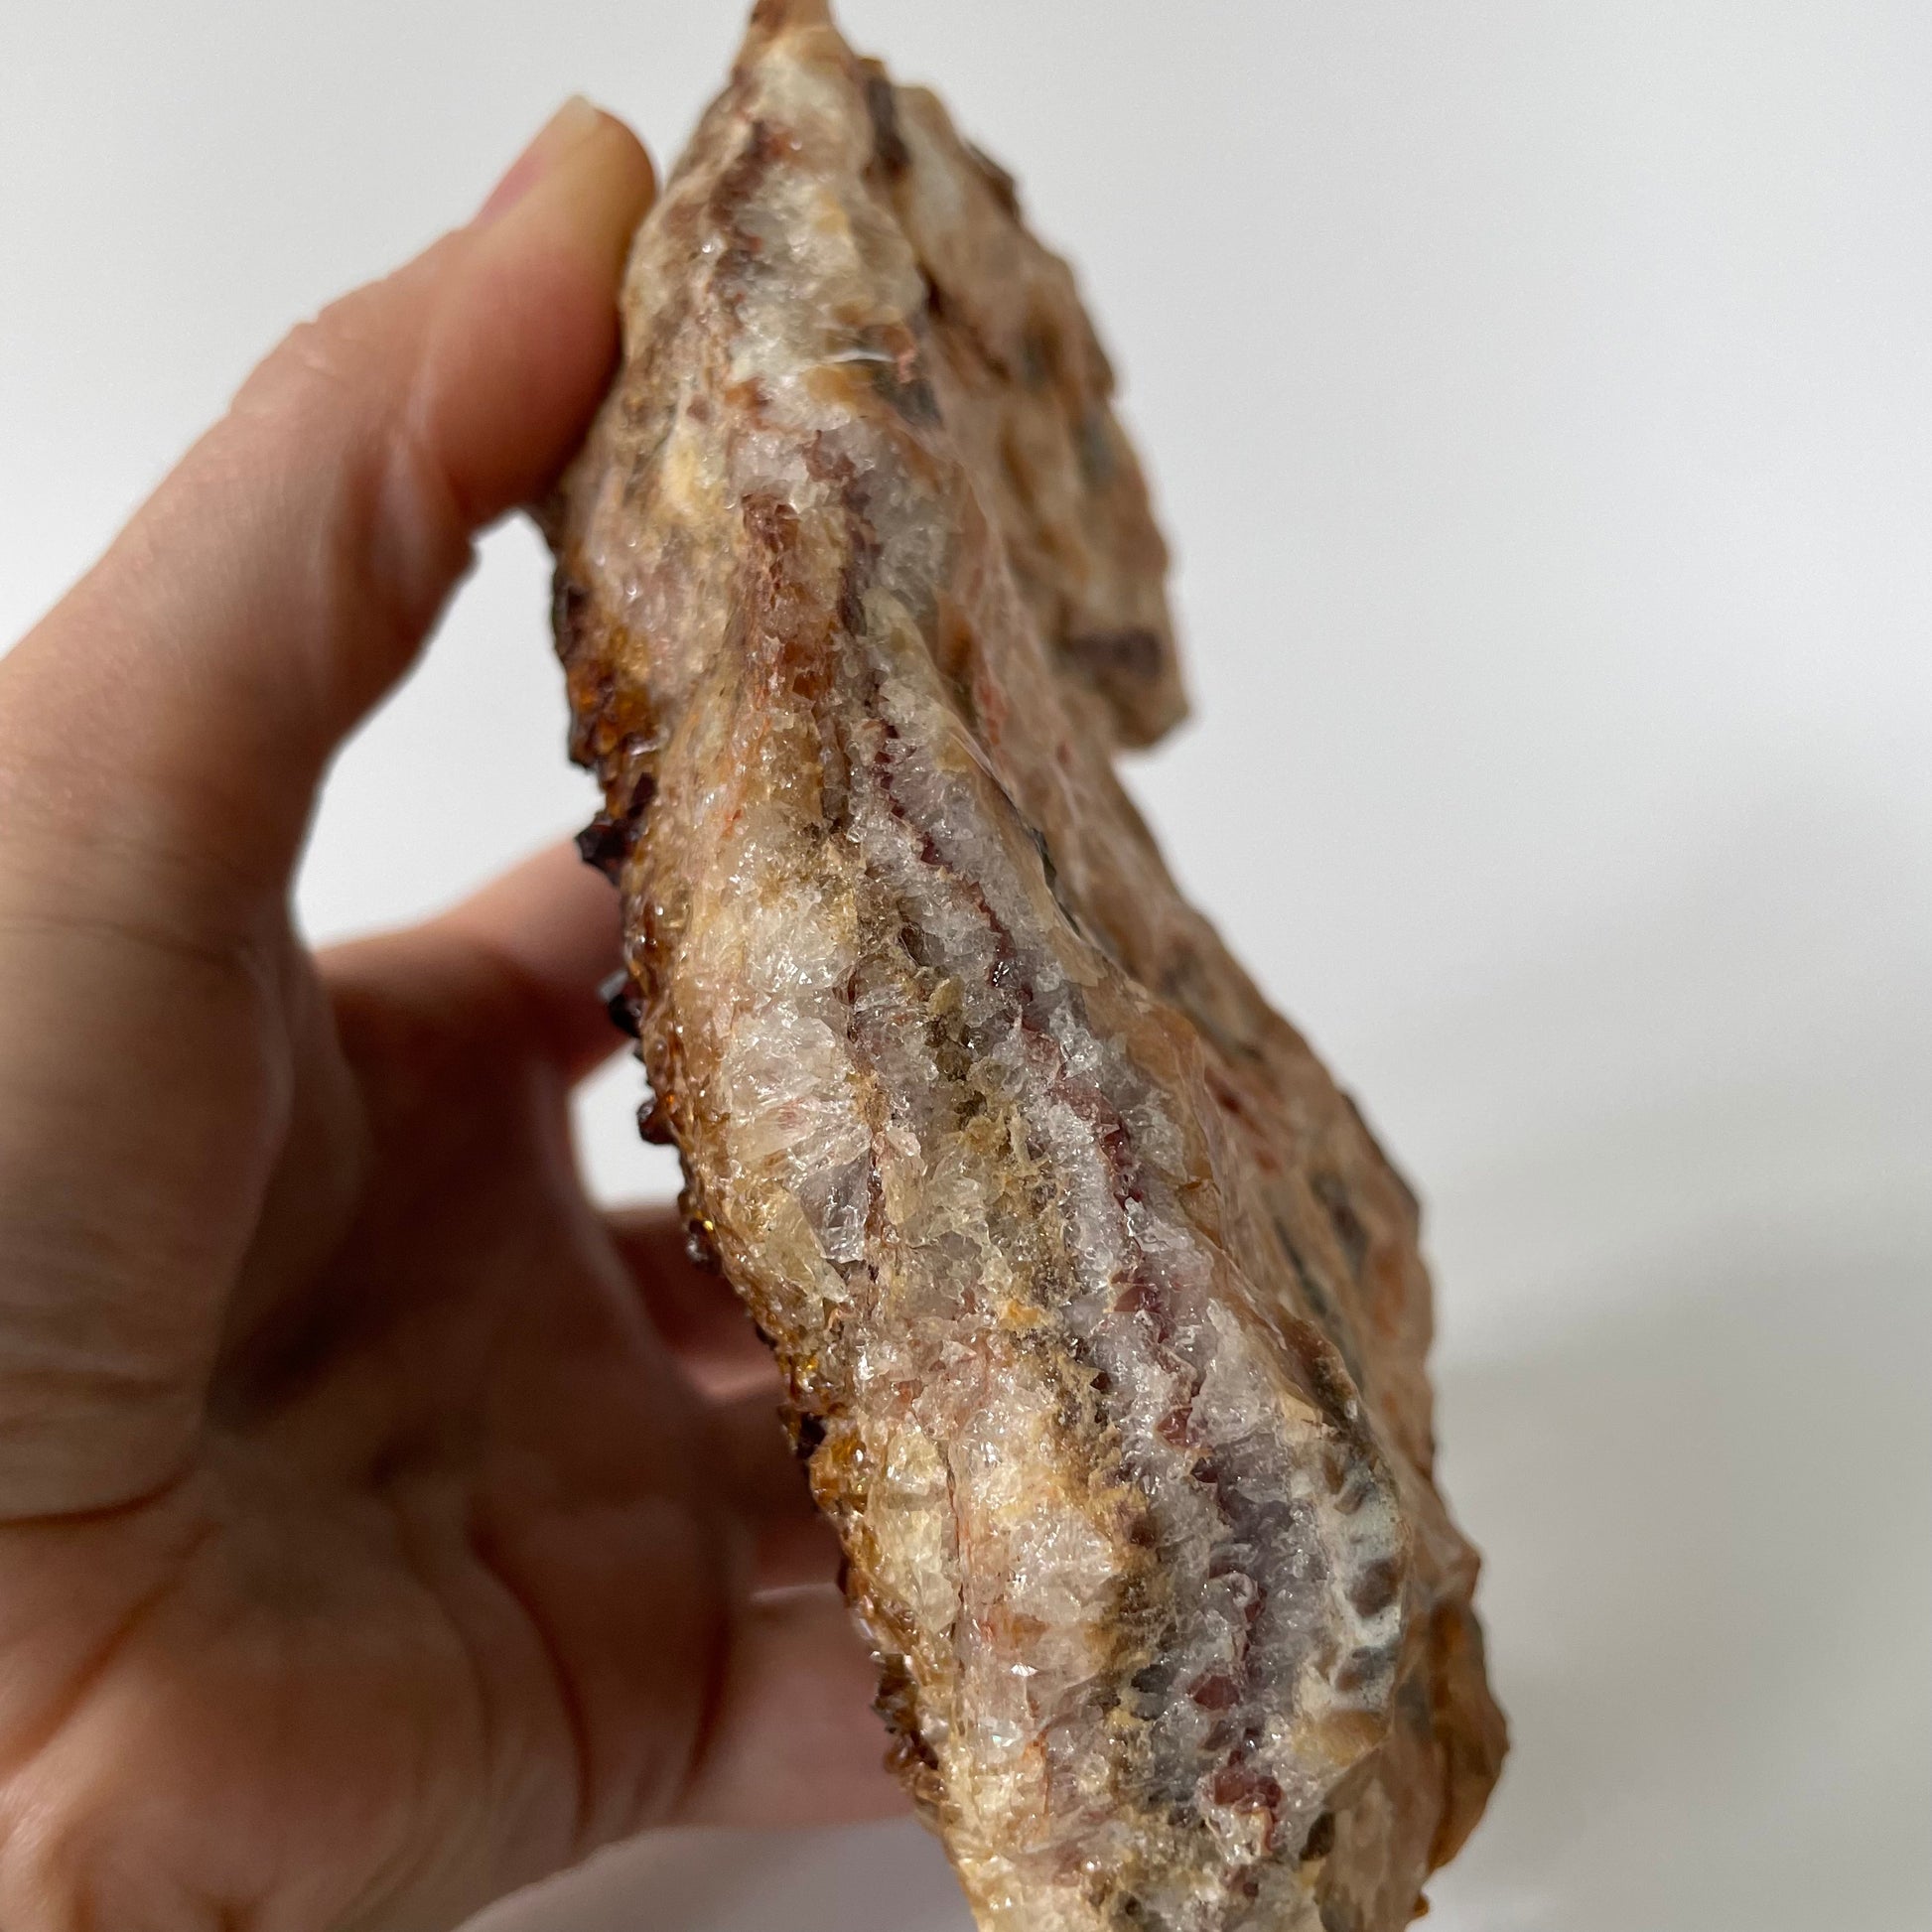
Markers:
point(161, 735)
point(194, 685)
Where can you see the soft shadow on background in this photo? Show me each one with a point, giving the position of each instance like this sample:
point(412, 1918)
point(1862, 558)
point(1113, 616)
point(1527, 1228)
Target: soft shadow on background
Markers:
point(1540, 400)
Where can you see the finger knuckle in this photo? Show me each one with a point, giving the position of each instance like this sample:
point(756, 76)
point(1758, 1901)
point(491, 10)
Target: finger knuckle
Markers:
point(334, 354)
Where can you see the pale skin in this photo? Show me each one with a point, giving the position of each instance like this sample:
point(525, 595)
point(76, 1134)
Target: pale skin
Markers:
point(382, 1527)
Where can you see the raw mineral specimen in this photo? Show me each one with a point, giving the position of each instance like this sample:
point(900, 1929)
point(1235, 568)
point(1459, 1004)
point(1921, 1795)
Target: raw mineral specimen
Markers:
point(1101, 1310)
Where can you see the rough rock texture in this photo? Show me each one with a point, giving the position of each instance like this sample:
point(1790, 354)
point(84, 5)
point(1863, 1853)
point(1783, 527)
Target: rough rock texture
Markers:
point(1102, 1311)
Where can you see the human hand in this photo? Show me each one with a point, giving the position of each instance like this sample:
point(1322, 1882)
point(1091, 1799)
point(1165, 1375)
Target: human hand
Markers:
point(380, 1527)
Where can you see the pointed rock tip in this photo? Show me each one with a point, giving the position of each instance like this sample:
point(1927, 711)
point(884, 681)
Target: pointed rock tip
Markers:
point(776, 22)
point(770, 18)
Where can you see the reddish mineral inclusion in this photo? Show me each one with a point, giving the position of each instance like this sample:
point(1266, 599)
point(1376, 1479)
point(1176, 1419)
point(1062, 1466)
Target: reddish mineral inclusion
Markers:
point(1102, 1311)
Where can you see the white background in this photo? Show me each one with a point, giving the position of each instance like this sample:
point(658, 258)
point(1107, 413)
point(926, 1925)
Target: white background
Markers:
point(1539, 398)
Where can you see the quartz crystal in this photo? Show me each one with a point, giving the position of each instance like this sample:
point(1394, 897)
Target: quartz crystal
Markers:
point(1101, 1310)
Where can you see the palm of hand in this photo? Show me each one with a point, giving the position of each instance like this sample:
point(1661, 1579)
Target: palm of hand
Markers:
point(452, 1545)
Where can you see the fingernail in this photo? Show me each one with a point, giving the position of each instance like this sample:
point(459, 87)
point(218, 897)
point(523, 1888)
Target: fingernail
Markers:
point(569, 127)
point(584, 185)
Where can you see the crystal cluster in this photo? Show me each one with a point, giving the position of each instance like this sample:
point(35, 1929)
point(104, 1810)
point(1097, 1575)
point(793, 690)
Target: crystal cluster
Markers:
point(1101, 1310)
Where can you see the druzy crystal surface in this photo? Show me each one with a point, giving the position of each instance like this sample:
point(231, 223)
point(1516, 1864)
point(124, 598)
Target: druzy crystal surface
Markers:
point(1102, 1313)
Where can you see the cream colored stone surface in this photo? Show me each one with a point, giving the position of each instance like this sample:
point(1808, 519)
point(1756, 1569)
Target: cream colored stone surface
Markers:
point(1102, 1313)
